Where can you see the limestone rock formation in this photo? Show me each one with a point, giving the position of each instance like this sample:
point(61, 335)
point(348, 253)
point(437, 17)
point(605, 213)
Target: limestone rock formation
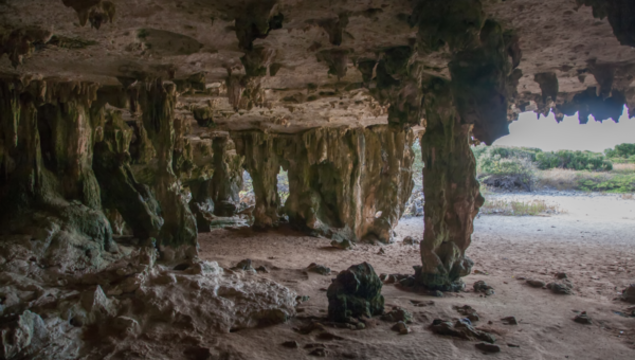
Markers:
point(140, 126)
point(356, 292)
point(345, 184)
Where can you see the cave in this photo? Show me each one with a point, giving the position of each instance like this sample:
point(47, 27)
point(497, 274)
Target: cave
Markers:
point(128, 129)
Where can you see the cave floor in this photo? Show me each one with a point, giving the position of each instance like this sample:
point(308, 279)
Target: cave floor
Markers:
point(590, 243)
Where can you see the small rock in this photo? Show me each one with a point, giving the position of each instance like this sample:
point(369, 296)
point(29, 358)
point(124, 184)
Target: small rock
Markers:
point(263, 269)
point(381, 251)
point(490, 348)
point(520, 278)
point(401, 328)
point(561, 275)
point(244, 265)
point(477, 272)
point(360, 326)
point(482, 287)
point(390, 279)
point(318, 352)
point(409, 240)
point(583, 318)
point(78, 321)
point(397, 314)
point(291, 344)
point(535, 283)
point(510, 320)
point(435, 293)
point(513, 345)
point(407, 281)
point(302, 299)
point(329, 336)
point(182, 267)
point(125, 326)
point(469, 312)
point(559, 289)
point(342, 245)
point(628, 294)
point(311, 327)
point(318, 269)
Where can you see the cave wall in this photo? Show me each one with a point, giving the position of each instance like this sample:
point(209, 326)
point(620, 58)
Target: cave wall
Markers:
point(66, 162)
point(344, 184)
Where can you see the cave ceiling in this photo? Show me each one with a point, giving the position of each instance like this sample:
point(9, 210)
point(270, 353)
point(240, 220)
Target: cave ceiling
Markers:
point(290, 65)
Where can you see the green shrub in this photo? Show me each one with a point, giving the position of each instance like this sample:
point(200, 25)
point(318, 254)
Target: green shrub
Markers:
point(619, 183)
point(574, 160)
point(498, 160)
point(505, 152)
point(622, 153)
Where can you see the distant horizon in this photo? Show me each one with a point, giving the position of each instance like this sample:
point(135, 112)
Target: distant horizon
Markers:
point(545, 133)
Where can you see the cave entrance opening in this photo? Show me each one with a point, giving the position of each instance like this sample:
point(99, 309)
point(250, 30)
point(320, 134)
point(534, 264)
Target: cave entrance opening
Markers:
point(414, 206)
point(246, 194)
point(282, 185)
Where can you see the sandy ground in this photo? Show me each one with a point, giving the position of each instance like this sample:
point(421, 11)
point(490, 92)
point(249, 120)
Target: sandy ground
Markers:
point(593, 242)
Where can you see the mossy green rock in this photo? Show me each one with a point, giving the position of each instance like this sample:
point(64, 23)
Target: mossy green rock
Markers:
point(355, 292)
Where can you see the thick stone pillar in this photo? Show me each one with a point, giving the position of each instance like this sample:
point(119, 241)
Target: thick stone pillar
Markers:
point(262, 161)
point(121, 192)
point(452, 196)
point(179, 230)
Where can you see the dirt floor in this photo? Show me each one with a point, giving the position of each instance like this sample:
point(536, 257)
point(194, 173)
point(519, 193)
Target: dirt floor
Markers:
point(593, 242)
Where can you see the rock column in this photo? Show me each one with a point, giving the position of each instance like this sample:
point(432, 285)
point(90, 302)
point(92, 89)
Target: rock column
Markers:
point(179, 232)
point(452, 196)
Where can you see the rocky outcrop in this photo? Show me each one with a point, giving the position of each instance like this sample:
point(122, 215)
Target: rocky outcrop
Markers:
point(345, 184)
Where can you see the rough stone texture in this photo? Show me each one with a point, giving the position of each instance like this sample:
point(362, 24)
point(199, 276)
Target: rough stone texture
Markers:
point(22, 335)
point(356, 292)
point(132, 303)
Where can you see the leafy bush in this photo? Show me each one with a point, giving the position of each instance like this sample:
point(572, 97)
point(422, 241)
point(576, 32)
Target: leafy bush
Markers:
point(505, 167)
point(505, 152)
point(619, 183)
point(622, 153)
point(574, 160)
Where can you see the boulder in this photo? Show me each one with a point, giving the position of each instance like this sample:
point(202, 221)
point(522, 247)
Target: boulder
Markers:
point(355, 292)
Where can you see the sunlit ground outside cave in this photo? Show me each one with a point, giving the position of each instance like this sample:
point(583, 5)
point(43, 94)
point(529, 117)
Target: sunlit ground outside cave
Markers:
point(294, 179)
